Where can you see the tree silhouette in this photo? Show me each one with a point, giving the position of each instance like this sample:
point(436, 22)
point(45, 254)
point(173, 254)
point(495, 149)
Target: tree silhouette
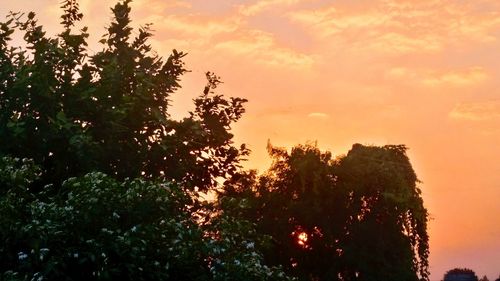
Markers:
point(75, 112)
point(358, 217)
point(97, 181)
point(386, 235)
point(98, 228)
point(460, 274)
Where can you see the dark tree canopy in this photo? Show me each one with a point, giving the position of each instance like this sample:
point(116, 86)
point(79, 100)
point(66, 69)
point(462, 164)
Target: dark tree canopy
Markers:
point(386, 235)
point(460, 274)
point(98, 228)
point(74, 112)
point(97, 180)
point(358, 217)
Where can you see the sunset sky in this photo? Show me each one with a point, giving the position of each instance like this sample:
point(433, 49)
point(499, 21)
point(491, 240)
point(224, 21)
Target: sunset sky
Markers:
point(423, 73)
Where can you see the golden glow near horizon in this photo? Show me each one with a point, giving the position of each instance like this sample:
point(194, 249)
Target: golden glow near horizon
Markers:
point(423, 73)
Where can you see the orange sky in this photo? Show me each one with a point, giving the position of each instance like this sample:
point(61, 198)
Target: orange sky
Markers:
point(423, 73)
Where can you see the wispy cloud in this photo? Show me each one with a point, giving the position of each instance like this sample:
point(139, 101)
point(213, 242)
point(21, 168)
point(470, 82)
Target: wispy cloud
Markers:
point(262, 46)
point(477, 111)
point(195, 27)
point(262, 5)
point(399, 27)
point(457, 78)
point(161, 6)
point(435, 78)
point(318, 115)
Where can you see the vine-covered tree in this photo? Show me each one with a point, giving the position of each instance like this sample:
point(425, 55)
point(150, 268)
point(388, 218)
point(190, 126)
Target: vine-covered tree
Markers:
point(74, 112)
point(358, 217)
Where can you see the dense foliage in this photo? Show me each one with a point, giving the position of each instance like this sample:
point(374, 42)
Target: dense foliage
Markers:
point(358, 217)
point(74, 112)
point(98, 228)
point(106, 188)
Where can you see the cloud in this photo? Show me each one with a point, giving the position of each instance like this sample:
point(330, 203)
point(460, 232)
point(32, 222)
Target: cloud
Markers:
point(399, 73)
point(263, 47)
point(434, 78)
point(395, 27)
point(195, 26)
point(330, 20)
point(158, 6)
point(372, 30)
point(399, 43)
point(318, 115)
point(457, 78)
point(259, 6)
point(476, 111)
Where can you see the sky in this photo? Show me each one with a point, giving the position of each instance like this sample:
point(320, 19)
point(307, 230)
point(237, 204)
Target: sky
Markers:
point(422, 73)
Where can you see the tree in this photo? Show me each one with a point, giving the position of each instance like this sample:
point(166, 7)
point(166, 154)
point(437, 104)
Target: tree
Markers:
point(460, 274)
point(358, 217)
point(386, 233)
point(291, 200)
point(97, 181)
point(73, 112)
point(97, 228)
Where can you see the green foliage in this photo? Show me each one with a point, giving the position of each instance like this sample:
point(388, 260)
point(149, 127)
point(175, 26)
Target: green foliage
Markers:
point(111, 191)
point(74, 112)
point(359, 217)
point(234, 253)
point(98, 228)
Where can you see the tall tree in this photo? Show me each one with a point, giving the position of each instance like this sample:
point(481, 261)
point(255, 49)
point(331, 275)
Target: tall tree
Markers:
point(358, 217)
point(75, 112)
point(98, 179)
point(386, 233)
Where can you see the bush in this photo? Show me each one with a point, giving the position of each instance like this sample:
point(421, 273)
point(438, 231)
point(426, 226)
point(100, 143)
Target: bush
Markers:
point(98, 228)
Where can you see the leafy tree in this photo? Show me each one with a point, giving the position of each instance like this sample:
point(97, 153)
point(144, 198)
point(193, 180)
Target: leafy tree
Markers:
point(358, 217)
point(386, 233)
point(106, 188)
point(462, 274)
point(74, 112)
point(98, 228)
